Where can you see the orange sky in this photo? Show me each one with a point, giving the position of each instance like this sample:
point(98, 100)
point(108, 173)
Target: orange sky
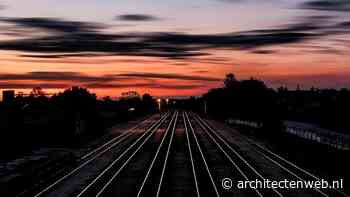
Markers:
point(154, 48)
point(272, 69)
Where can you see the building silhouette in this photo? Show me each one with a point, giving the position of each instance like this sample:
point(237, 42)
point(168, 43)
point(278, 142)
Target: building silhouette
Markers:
point(8, 96)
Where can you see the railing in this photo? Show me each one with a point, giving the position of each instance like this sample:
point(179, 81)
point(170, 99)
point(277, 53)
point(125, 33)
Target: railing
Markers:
point(306, 131)
point(244, 123)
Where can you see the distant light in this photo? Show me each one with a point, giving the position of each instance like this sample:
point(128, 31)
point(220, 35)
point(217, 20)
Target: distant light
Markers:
point(159, 100)
point(167, 100)
point(132, 109)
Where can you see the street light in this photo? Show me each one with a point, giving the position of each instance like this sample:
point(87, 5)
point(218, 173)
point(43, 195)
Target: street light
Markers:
point(159, 101)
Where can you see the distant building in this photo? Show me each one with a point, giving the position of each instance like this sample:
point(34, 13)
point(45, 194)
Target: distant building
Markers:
point(8, 96)
point(130, 94)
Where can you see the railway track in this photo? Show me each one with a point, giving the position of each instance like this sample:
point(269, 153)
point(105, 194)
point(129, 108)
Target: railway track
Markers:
point(153, 180)
point(295, 171)
point(206, 184)
point(180, 177)
point(238, 162)
point(290, 168)
point(180, 154)
point(102, 184)
point(114, 145)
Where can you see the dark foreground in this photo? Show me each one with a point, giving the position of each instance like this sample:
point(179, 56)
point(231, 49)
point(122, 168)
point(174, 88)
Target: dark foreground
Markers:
point(175, 154)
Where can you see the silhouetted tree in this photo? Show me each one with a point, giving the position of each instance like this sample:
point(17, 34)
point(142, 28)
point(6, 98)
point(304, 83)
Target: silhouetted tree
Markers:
point(230, 81)
point(246, 100)
point(37, 92)
point(65, 118)
point(76, 111)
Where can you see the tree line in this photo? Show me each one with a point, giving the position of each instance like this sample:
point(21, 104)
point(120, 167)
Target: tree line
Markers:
point(64, 118)
point(253, 100)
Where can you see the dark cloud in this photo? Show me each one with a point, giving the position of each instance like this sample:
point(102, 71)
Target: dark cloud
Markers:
point(63, 55)
point(17, 85)
point(54, 24)
point(240, 40)
point(344, 25)
point(54, 76)
point(144, 85)
point(79, 77)
point(7, 85)
point(328, 5)
point(170, 76)
point(264, 52)
point(73, 38)
point(201, 71)
point(129, 80)
point(137, 17)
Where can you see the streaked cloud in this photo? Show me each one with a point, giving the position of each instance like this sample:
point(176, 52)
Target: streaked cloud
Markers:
point(65, 38)
point(127, 80)
point(76, 76)
point(170, 76)
point(54, 76)
point(206, 39)
point(145, 85)
point(137, 17)
point(54, 24)
point(328, 5)
point(19, 85)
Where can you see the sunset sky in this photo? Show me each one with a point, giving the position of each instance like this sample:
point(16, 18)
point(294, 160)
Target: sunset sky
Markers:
point(172, 48)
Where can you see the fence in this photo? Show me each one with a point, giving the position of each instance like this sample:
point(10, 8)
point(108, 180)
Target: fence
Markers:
point(307, 131)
